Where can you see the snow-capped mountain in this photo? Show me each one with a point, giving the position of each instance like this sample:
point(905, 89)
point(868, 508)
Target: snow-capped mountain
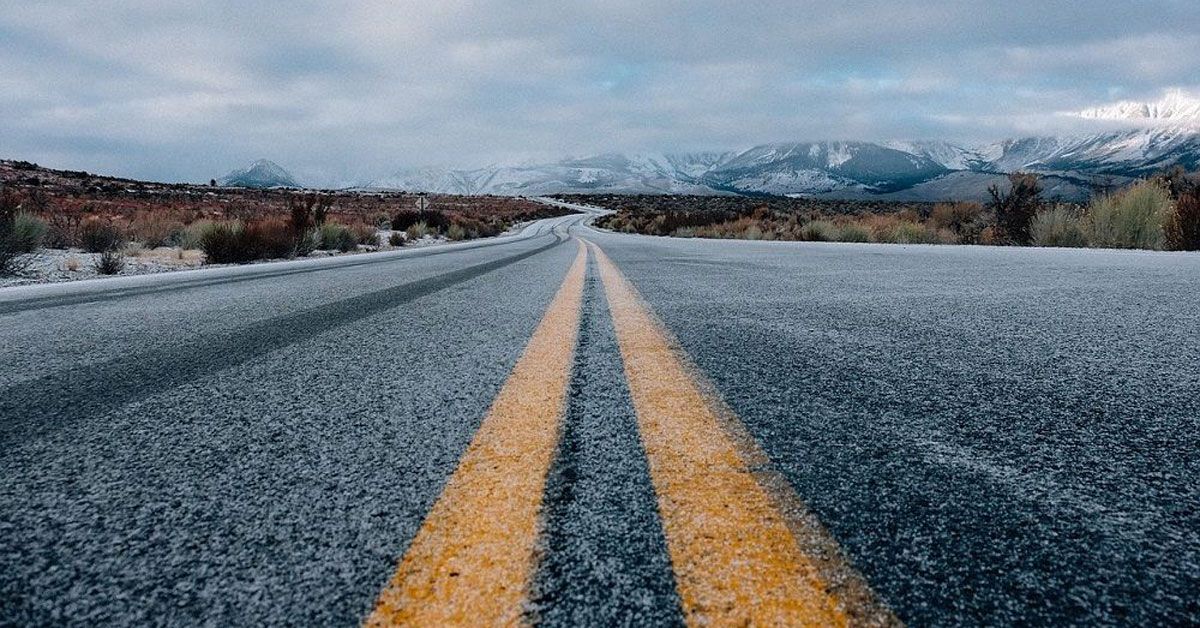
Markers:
point(910, 170)
point(949, 155)
point(648, 174)
point(1175, 107)
point(1124, 146)
point(260, 174)
point(1130, 153)
point(821, 167)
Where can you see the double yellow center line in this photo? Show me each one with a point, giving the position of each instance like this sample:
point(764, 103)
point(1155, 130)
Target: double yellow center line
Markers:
point(733, 548)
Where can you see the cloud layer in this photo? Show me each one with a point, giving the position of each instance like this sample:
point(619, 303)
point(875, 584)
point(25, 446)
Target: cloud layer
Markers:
point(186, 90)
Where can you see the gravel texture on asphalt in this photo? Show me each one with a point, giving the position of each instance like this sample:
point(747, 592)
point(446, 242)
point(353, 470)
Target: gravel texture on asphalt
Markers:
point(276, 485)
point(994, 435)
point(604, 560)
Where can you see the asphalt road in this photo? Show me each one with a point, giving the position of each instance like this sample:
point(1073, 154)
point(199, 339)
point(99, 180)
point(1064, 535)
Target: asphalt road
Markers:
point(985, 435)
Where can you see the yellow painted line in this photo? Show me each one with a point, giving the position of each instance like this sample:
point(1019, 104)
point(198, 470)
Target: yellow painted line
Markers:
point(736, 557)
point(472, 560)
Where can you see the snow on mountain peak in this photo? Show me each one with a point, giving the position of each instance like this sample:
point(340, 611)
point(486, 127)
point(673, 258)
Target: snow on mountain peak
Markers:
point(1176, 107)
point(260, 174)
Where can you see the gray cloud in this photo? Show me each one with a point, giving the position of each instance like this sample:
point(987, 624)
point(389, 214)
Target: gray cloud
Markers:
point(185, 90)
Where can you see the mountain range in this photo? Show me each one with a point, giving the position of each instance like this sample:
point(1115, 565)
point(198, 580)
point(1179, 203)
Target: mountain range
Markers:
point(1154, 136)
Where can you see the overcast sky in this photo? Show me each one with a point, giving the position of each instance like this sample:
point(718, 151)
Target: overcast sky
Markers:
point(188, 90)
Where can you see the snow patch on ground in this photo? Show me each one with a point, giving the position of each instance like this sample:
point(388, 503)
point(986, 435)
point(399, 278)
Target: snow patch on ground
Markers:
point(61, 265)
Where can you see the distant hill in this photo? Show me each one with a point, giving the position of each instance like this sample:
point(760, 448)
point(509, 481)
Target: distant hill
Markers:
point(260, 174)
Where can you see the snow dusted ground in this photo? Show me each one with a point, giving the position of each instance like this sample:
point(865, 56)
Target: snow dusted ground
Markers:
point(57, 265)
point(61, 265)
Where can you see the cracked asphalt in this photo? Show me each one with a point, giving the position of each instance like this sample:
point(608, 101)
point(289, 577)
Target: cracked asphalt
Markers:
point(992, 436)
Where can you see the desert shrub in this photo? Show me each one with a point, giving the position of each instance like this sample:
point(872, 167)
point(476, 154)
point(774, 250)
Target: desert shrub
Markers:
point(98, 236)
point(1130, 219)
point(335, 237)
point(63, 230)
point(110, 262)
point(684, 232)
point(1177, 182)
point(953, 215)
point(436, 220)
point(299, 214)
point(853, 232)
point(190, 236)
point(1016, 208)
point(1058, 226)
point(910, 232)
point(397, 239)
point(320, 208)
point(28, 231)
point(1182, 231)
point(472, 228)
point(308, 242)
point(365, 234)
point(154, 229)
point(11, 247)
point(222, 243)
point(268, 239)
point(907, 232)
point(819, 231)
point(417, 230)
point(456, 232)
point(991, 236)
point(405, 218)
point(965, 220)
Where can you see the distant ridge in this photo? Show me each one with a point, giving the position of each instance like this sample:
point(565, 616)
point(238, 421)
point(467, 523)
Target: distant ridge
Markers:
point(1132, 139)
point(924, 170)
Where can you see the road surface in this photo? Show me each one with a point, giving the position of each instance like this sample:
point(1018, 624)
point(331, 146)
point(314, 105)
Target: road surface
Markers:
point(577, 427)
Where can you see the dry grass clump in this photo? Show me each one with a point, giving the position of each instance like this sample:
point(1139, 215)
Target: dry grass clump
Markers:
point(170, 255)
point(1060, 225)
point(99, 235)
point(232, 242)
point(28, 232)
point(364, 234)
point(853, 232)
point(222, 243)
point(155, 229)
point(191, 235)
point(1130, 219)
point(13, 244)
point(417, 230)
point(336, 237)
point(110, 262)
point(821, 231)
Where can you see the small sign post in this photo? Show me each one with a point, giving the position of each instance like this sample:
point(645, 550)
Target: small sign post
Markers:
point(422, 202)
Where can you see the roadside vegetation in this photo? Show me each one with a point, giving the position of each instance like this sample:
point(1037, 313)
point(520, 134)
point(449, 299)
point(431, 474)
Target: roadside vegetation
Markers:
point(107, 225)
point(1159, 213)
